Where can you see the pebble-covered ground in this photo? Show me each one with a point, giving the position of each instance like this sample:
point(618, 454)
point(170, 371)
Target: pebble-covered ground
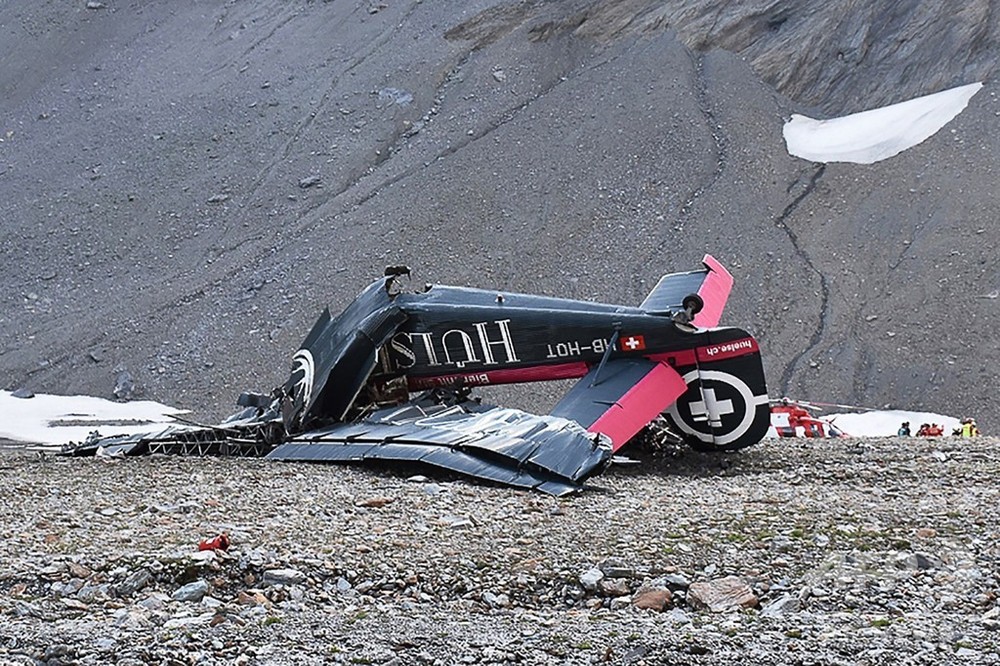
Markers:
point(877, 551)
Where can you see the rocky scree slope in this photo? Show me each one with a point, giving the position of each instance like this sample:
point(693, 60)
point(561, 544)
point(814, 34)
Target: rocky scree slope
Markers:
point(827, 552)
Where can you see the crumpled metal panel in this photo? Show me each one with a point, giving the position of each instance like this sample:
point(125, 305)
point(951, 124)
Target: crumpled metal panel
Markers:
point(493, 444)
point(336, 358)
point(135, 444)
point(572, 457)
point(243, 440)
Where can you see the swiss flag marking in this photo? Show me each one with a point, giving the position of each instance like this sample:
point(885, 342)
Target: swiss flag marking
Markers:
point(633, 343)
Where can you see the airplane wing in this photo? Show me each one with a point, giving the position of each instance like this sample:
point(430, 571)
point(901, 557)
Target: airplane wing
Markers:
point(713, 284)
point(622, 397)
point(507, 446)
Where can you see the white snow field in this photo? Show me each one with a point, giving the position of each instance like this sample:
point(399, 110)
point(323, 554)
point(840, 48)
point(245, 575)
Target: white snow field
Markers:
point(58, 419)
point(877, 134)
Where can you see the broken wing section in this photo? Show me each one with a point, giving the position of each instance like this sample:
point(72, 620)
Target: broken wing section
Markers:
point(494, 444)
point(621, 398)
point(712, 284)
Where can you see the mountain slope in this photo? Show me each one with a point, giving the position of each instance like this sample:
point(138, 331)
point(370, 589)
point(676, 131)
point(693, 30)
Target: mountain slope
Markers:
point(185, 186)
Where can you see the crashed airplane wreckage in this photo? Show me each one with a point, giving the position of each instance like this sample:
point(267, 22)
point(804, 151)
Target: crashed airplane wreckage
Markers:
point(664, 364)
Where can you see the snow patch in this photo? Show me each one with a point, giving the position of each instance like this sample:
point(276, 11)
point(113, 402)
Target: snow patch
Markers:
point(58, 419)
point(877, 134)
point(886, 423)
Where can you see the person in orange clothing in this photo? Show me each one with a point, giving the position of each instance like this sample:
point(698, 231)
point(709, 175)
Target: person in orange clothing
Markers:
point(934, 430)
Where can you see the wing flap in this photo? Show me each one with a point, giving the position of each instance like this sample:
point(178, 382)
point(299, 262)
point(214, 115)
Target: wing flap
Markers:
point(622, 398)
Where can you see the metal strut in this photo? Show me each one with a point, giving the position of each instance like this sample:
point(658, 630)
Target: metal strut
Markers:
point(607, 352)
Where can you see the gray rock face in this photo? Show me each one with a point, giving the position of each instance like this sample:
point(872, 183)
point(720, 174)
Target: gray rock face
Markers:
point(845, 56)
point(582, 148)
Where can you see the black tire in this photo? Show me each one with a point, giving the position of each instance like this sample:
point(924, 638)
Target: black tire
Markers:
point(693, 303)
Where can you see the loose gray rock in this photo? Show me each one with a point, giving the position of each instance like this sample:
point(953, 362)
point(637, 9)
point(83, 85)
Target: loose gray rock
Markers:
point(784, 604)
point(591, 578)
point(192, 591)
point(721, 594)
point(509, 588)
point(613, 587)
point(283, 577)
point(136, 581)
point(124, 386)
point(918, 561)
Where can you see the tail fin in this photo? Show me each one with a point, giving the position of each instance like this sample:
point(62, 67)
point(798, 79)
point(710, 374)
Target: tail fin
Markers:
point(711, 284)
point(725, 406)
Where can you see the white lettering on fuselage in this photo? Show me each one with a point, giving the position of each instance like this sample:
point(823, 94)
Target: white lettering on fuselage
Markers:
point(746, 343)
point(466, 342)
point(456, 347)
point(574, 348)
point(475, 379)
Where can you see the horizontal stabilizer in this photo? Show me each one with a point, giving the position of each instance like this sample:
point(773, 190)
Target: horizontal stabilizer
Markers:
point(712, 284)
point(621, 398)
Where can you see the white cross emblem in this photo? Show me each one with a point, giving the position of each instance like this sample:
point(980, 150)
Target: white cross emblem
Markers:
point(631, 343)
point(711, 409)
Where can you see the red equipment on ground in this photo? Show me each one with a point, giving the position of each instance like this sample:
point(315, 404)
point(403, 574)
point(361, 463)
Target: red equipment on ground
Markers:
point(220, 542)
point(793, 419)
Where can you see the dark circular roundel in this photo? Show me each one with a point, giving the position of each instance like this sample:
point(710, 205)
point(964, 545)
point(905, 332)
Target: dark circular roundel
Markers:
point(717, 412)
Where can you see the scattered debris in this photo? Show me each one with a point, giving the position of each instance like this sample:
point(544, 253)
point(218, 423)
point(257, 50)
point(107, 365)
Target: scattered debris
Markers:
point(220, 542)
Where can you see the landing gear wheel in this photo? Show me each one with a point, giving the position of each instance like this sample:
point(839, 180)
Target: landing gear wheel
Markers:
point(693, 303)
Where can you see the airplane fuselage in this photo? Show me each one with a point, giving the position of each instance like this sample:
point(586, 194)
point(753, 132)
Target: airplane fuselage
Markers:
point(475, 337)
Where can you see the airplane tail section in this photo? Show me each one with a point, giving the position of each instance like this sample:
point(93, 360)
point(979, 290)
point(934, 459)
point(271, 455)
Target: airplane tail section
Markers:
point(701, 293)
point(725, 405)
